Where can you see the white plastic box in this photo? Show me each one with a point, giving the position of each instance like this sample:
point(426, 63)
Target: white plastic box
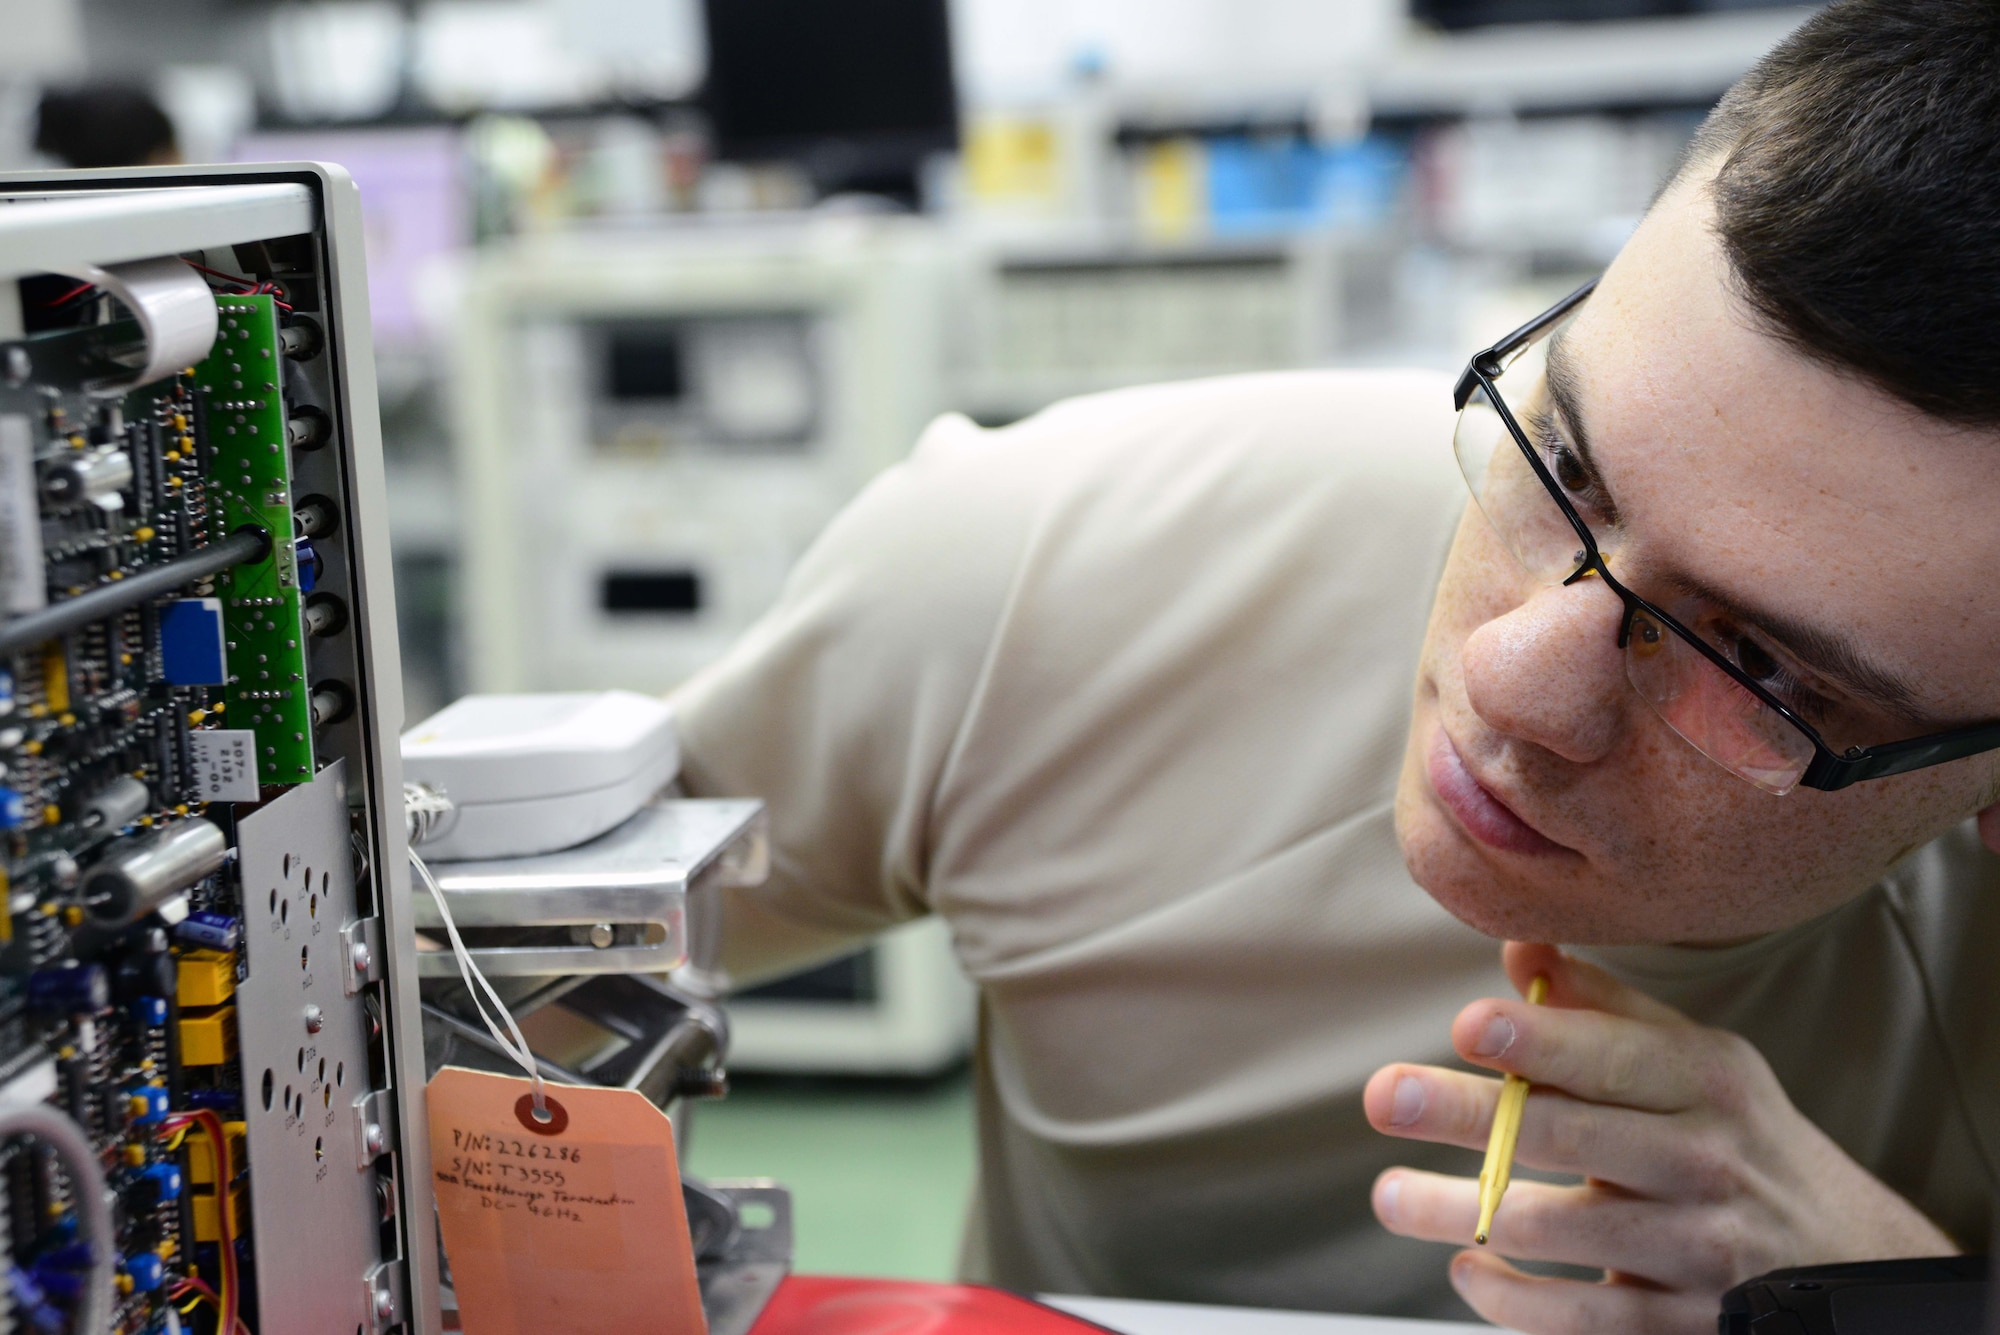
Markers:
point(532, 774)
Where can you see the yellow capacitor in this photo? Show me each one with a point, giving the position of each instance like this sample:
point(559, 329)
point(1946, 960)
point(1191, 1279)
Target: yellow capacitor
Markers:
point(201, 1157)
point(207, 978)
point(208, 1039)
point(55, 679)
point(205, 1219)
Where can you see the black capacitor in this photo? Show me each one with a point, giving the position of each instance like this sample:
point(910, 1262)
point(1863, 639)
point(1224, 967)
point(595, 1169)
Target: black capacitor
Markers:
point(145, 970)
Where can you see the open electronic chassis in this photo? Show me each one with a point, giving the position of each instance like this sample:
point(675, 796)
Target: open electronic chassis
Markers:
point(207, 985)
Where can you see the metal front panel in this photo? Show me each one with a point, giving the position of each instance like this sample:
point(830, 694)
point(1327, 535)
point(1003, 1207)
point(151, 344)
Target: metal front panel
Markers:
point(109, 226)
point(312, 1182)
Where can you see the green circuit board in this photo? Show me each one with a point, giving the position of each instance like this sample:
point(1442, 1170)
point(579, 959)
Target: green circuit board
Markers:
point(239, 411)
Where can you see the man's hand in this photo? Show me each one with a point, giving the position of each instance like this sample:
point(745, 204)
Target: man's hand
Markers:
point(1699, 1173)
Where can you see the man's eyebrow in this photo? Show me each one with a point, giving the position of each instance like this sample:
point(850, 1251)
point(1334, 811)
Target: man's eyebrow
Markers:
point(1831, 653)
point(1566, 393)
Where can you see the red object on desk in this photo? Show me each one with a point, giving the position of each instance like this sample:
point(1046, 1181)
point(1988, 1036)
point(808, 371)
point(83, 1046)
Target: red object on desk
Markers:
point(815, 1305)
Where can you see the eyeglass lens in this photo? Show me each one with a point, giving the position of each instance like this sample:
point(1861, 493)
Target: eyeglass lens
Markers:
point(1695, 698)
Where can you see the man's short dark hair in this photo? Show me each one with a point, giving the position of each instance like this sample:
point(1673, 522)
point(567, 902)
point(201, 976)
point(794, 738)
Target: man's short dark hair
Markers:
point(1858, 197)
point(103, 126)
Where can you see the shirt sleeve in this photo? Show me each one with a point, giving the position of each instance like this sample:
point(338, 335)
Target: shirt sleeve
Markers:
point(840, 706)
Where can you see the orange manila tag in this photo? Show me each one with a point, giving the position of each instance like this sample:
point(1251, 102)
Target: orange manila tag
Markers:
point(575, 1225)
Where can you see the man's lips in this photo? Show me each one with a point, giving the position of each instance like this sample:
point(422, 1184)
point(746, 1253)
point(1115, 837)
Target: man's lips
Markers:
point(1483, 816)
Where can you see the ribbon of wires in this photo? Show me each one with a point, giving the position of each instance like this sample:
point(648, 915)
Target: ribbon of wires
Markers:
point(229, 1318)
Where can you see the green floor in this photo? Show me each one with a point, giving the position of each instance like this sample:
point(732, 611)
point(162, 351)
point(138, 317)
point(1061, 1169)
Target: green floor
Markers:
point(880, 1171)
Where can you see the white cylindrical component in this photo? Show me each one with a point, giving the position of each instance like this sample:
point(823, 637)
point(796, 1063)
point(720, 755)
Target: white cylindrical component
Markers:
point(87, 477)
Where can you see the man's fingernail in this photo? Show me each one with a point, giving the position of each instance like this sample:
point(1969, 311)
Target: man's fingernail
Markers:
point(1388, 1198)
point(1461, 1272)
point(1496, 1038)
point(1409, 1105)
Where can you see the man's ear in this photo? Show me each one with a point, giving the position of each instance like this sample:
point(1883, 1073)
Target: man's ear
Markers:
point(1989, 827)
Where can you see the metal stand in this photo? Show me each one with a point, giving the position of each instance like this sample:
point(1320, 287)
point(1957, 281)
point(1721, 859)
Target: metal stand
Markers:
point(580, 938)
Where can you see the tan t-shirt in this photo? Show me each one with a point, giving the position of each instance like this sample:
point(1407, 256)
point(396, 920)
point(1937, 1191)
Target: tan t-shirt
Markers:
point(1120, 692)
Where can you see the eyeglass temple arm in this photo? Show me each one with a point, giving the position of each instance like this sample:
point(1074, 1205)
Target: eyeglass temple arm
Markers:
point(1491, 361)
point(1829, 772)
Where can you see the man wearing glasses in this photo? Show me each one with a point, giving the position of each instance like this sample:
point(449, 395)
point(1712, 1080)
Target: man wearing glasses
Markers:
point(1709, 692)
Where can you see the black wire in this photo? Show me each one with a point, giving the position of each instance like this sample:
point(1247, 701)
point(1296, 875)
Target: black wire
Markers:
point(108, 600)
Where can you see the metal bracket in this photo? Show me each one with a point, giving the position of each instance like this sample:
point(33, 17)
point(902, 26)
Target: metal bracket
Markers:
point(636, 876)
point(360, 954)
point(388, 1289)
point(374, 1126)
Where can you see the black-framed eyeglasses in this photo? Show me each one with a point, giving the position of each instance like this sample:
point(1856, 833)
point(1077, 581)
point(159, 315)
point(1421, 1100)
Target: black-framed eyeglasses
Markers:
point(1718, 683)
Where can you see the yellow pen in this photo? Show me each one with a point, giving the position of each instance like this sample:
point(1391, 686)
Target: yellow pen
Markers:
point(1499, 1166)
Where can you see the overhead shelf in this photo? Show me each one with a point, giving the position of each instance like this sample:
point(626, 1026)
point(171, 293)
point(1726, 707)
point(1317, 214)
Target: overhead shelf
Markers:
point(1686, 60)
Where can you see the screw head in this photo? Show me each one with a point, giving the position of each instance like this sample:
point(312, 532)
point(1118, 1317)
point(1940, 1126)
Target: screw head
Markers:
point(363, 957)
point(602, 935)
point(374, 1139)
point(315, 1019)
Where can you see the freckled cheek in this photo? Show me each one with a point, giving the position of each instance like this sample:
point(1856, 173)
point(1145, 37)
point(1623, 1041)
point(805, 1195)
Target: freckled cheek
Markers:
point(1481, 583)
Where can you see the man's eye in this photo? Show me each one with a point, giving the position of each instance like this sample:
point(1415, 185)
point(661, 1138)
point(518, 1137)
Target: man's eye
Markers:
point(1762, 667)
point(1750, 656)
point(1570, 472)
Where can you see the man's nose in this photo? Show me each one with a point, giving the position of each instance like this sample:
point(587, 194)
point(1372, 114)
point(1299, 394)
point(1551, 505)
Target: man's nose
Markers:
point(1551, 673)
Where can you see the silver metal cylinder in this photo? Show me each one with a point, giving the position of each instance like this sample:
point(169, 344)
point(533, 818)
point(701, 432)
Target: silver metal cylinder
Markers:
point(138, 874)
point(117, 804)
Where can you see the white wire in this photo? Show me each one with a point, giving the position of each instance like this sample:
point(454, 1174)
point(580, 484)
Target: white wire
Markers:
point(86, 1175)
point(518, 1049)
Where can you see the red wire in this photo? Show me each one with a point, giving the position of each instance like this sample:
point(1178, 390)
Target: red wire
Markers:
point(225, 1177)
point(73, 294)
point(189, 1284)
point(244, 283)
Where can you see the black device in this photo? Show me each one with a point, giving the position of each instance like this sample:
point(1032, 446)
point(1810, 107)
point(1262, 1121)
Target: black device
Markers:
point(1453, 14)
point(1942, 1295)
point(857, 93)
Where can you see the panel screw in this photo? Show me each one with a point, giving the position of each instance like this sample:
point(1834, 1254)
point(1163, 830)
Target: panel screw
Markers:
point(373, 1139)
point(363, 957)
point(602, 935)
point(315, 1019)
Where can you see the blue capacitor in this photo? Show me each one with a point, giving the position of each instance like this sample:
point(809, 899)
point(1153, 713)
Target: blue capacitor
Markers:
point(33, 1302)
point(13, 809)
point(145, 1271)
point(149, 1012)
point(212, 931)
point(309, 564)
point(149, 1104)
point(162, 1181)
point(63, 1284)
point(69, 989)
